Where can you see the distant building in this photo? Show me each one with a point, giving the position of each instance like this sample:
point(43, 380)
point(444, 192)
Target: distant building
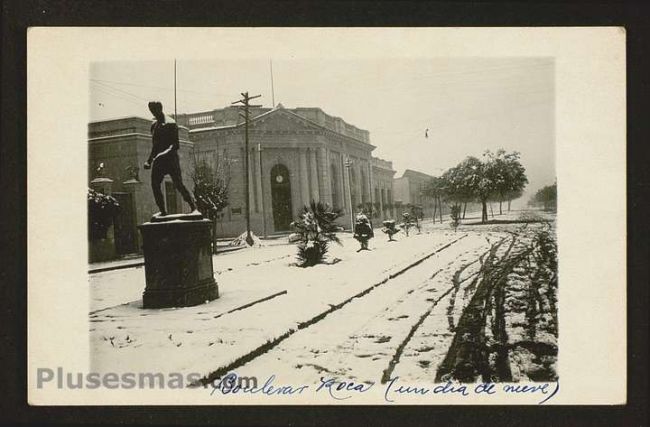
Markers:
point(382, 176)
point(304, 156)
point(409, 190)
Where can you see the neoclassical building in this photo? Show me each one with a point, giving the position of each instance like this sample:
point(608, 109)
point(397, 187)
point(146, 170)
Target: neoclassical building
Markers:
point(295, 156)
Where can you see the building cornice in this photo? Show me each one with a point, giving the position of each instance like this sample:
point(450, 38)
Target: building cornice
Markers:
point(129, 135)
point(119, 135)
point(319, 129)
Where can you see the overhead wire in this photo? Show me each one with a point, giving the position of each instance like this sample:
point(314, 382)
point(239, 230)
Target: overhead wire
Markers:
point(473, 85)
point(108, 92)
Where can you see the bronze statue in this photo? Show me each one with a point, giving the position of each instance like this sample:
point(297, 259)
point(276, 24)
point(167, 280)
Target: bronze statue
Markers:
point(163, 159)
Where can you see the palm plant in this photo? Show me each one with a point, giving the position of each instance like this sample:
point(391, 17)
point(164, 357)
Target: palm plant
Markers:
point(390, 228)
point(316, 229)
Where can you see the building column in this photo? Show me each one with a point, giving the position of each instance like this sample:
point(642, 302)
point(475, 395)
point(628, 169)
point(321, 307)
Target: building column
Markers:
point(325, 187)
point(334, 180)
point(304, 177)
point(366, 181)
point(370, 190)
point(359, 191)
point(313, 170)
point(258, 180)
point(344, 183)
point(251, 184)
point(341, 182)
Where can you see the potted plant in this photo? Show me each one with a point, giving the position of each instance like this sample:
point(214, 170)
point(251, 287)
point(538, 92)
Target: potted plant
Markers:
point(408, 222)
point(315, 229)
point(455, 216)
point(390, 228)
point(102, 209)
point(363, 231)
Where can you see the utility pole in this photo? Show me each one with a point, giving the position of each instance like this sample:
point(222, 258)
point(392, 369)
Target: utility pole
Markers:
point(348, 165)
point(272, 88)
point(245, 105)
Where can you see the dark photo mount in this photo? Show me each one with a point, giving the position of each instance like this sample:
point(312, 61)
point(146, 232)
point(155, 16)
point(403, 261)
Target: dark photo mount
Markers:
point(19, 15)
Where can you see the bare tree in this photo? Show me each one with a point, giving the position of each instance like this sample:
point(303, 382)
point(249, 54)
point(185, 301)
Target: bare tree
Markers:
point(211, 182)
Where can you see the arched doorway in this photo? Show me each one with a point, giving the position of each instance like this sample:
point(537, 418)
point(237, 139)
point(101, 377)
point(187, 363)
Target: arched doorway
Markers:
point(281, 197)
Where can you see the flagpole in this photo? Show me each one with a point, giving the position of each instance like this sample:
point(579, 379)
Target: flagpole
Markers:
point(175, 112)
point(272, 88)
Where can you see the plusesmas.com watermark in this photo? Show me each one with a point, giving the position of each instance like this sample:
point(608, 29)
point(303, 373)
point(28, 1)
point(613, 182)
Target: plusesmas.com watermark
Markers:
point(60, 379)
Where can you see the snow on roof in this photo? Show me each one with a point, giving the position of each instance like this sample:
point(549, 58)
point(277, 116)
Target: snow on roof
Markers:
point(121, 118)
point(412, 172)
point(203, 129)
point(208, 128)
point(280, 107)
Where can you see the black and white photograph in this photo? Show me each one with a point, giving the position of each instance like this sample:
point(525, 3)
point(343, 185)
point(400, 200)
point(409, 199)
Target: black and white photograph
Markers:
point(285, 225)
point(458, 213)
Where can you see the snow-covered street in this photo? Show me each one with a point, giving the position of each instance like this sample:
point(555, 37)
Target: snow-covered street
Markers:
point(432, 306)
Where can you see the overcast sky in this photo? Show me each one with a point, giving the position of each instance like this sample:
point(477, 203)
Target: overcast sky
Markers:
point(468, 104)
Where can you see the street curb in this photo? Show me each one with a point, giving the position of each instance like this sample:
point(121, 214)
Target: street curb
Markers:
point(115, 267)
point(241, 307)
point(141, 263)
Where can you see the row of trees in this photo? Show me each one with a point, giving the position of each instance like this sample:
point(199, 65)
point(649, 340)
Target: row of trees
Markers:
point(497, 176)
point(546, 196)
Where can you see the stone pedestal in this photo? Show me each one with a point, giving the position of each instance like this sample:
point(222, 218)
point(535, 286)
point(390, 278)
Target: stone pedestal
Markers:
point(178, 263)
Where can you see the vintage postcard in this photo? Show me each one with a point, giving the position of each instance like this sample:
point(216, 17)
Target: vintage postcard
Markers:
point(232, 216)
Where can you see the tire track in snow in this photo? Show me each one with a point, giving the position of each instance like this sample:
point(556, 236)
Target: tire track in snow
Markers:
point(466, 358)
point(420, 291)
point(264, 348)
point(455, 286)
